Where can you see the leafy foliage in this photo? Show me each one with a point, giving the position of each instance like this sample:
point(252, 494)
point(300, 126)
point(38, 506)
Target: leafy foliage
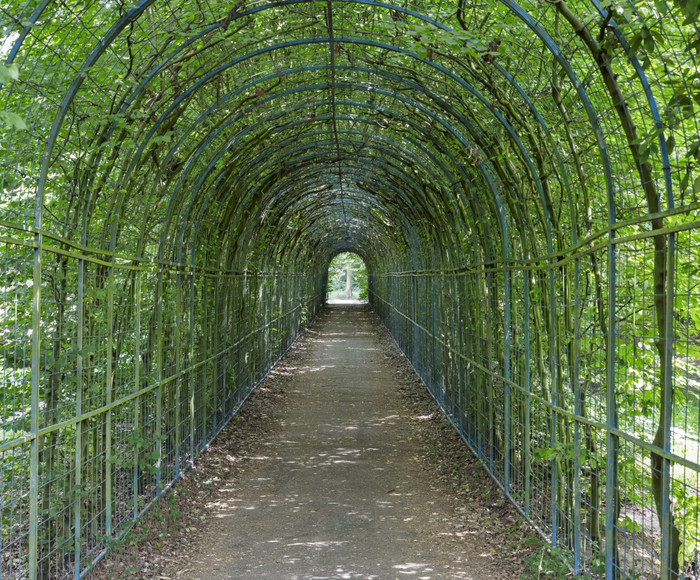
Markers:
point(176, 178)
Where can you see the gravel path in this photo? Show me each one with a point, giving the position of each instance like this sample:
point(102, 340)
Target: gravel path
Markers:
point(337, 491)
point(339, 465)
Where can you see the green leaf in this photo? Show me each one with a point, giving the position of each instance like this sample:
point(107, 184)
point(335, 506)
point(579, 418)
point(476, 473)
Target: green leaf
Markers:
point(644, 153)
point(630, 525)
point(88, 350)
point(8, 73)
point(13, 120)
point(670, 144)
point(691, 8)
point(649, 44)
point(684, 180)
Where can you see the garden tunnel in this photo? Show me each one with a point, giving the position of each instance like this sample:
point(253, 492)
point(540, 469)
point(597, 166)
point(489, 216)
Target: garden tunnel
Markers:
point(521, 180)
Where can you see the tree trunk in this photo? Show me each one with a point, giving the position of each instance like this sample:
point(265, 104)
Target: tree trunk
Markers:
point(348, 283)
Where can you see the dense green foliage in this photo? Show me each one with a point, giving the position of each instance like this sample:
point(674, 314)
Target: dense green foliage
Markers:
point(521, 180)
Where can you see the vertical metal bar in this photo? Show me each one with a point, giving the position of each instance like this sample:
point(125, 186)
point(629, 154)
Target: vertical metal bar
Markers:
point(137, 385)
point(666, 528)
point(553, 415)
point(488, 379)
point(190, 374)
point(224, 322)
point(178, 370)
point(433, 342)
point(109, 374)
point(77, 505)
point(415, 302)
point(33, 563)
point(205, 385)
point(406, 307)
point(506, 379)
point(399, 304)
point(421, 300)
point(578, 411)
point(159, 380)
point(216, 363)
point(527, 455)
point(483, 355)
point(454, 345)
point(460, 349)
point(610, 404)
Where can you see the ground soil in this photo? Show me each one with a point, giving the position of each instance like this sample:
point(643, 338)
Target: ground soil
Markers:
point(340, 465)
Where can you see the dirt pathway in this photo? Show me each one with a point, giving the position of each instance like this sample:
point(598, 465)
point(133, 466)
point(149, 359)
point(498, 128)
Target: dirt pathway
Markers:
point(338, 492)
point(340, 465)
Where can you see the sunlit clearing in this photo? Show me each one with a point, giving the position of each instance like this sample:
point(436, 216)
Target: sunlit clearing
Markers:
point(347, 278)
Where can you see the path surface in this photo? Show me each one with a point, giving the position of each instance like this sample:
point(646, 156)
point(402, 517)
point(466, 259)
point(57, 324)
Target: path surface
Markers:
point(338, 492)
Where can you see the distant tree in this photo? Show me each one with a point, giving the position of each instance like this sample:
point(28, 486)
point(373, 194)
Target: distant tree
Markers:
point(347, 277)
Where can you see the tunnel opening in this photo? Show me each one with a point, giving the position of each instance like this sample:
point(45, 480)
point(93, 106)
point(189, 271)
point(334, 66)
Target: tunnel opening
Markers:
point(347, 278)
point(522, 180)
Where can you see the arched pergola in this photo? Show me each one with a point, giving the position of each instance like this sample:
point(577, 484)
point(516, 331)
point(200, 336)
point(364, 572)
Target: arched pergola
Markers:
point(520, 179)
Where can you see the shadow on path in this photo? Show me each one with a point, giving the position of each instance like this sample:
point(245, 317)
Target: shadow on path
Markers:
point(337, 491)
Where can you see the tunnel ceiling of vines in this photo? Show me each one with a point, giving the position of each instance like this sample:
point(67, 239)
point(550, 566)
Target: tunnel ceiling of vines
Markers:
point(242, 134)
point(521, 180)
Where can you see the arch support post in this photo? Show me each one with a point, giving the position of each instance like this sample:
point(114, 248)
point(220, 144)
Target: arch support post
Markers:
point(33, 564)
point(669, 532)
point(612, 496)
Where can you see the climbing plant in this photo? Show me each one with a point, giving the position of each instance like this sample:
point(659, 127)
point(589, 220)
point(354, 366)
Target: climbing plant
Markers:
point(520, 179)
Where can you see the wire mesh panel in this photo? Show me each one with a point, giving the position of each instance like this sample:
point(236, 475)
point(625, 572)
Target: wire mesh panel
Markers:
point(123, 402)
point(15, 406)
point(586, 465)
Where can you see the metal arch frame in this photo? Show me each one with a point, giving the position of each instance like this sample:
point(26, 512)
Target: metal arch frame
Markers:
point(311, 250)
point(332, 226)
point(311, 217)
point(498, 204)
point(264, 154)
point(414, 243)
point(142, 6)
point(651, 100)
point(310, 186)
point(139, 9)
point(260, 210)
point(401, 215)
point(247, 129)
point(402, 119)
point(556, 52)
point(388, 150)
point(322, 180)
point(206, 78)
point(213, 27)
point(369, 232)
point(262, 122)
point(552, 47)
point(438, 120)
point(371, 198)
point(399, 194)
point(130, 15)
